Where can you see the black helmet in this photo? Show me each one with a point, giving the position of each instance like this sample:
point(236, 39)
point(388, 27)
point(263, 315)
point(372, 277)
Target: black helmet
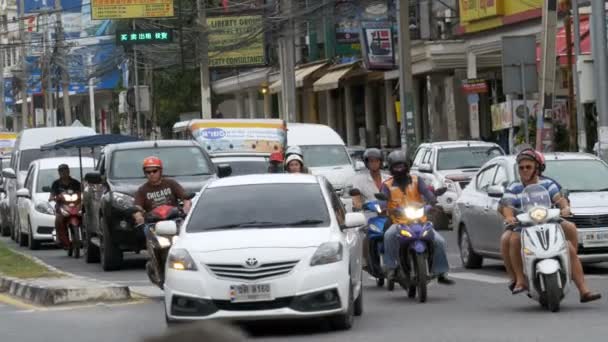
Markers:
point(63, 167)
point(372, 153)
point(397, 157)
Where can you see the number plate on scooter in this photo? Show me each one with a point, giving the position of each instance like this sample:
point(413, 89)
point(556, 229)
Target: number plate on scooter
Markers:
point(595, 239)
point(250, 293)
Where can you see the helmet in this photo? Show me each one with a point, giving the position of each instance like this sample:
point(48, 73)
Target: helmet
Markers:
point(294, 150)
point(152, 162)
point(533, 155)
point(276, 157)
point(397, 157)
point(292, 158)
point(63, 167)
point(372, 153)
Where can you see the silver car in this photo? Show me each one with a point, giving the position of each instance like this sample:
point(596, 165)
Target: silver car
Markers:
point(583, 176)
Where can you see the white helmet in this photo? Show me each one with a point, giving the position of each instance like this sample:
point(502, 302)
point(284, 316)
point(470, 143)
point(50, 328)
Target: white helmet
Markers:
point(294, 150)
point(294, 157)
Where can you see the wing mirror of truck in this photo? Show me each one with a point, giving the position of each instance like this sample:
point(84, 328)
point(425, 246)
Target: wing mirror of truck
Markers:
point(93, 177)
point(224, 170)
point(8, 173)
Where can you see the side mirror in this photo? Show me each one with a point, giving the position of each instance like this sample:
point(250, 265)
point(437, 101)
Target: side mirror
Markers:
point(381, 197)
point(165, 228)
point(496, 191)
point(93, 177)
point(425, 168)
point(8, 173)
point(440, 191)
point(46, 188)
point(224, 170)
point(23, 192)
point(354, 192)
point(354, 220)
point(359, 165)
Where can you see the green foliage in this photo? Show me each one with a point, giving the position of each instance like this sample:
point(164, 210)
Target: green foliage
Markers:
point(175, 91)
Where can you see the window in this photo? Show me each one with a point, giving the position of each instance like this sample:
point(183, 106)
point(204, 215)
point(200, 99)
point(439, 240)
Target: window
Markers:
point(325, 155)
point(427, 157)
point(246, 167)
point(501, 177)
point(568, 174)
point(419, 156)
point(48, 176)
point(485, 177)
point(177, 161)
point(29, 179)
point(466, 157)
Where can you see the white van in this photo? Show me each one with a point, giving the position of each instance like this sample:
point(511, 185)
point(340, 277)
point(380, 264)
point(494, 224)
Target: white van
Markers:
point(324, 152)
point(27, 149)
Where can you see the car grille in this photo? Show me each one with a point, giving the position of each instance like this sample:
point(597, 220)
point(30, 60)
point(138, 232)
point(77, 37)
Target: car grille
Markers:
point(278, 303)
point(589, 221)
point(236, 271)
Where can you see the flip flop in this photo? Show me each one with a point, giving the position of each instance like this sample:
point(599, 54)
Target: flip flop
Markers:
point(511, 286)
point(590, 297)
point(518, 290)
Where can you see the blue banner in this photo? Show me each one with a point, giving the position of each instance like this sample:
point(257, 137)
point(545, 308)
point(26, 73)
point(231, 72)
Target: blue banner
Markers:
point(36, 6)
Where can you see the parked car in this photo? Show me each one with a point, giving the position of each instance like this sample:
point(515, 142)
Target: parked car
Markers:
point(5, 228)
point(479, 225)
point(451, 164)
point(118, 174)
point(35, 213)
point(284, 248)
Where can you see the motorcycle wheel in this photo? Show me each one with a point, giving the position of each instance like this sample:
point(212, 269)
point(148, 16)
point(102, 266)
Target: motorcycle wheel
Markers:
point(411, 291)
point(390, 285)
point(379, 282)
point(421, 276)
point(553, 294)
point(77, 243)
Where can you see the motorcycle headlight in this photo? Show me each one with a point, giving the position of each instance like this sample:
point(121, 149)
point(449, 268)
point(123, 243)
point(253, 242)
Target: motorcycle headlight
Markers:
point(163, 241)
point(70, 198)
point(378, 208)
point(44, 208)
point(122, 201)
point(538, 214)
point(375, 228)
point(414, 213)
point(179, 259)
point(327, 253)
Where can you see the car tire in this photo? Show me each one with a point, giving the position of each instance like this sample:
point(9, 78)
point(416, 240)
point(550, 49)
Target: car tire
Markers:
point(111, 255)
point(359, 301)
point(32, 243)
point(468, 257)
point(21, 237)
point(91, 251)
point(5, 229)
point(345, 321)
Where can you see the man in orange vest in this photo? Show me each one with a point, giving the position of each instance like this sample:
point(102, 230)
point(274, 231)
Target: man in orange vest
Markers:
point(401, 189)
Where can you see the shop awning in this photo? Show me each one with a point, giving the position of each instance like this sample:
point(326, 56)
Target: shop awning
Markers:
point(302, 74)
point(561, 45)
point(331, 80)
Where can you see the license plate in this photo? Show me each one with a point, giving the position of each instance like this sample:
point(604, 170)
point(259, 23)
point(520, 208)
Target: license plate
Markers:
point(595, 239)
point(250, 293)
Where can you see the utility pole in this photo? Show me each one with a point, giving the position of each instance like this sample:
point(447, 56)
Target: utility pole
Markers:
point(64, 65)
point(24, 78)
point(572, 111)
point(204, 65)
point(409, 126)
point(4, 29)
point(92, 93)
point(547, 72)
point(600, 63)
point(136, 90)
point(287, 60)
point(580, 110)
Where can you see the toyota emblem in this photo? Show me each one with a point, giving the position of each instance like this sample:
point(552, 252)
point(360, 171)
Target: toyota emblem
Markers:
point(251, 262)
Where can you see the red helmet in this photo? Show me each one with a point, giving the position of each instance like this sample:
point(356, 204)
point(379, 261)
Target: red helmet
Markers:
point(533, 155)
point(276, 157)
point(152, 162)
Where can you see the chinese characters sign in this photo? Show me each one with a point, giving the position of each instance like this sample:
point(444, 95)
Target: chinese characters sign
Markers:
point(124, 9)
point(236, 41)
point(144, 37)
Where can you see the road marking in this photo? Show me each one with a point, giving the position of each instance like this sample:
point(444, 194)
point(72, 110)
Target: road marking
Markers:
point(8, 300)
point(479, 278)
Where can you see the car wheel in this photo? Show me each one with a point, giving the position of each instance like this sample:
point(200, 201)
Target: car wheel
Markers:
point(21, 237)
point(91, 251)
point(468, 257)
point(359, 302)
point(111, 255)
point(345, 321)
point(15, 229)
point(33, 243)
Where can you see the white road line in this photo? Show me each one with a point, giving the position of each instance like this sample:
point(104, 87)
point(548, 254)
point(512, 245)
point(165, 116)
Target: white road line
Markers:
point(479, 277)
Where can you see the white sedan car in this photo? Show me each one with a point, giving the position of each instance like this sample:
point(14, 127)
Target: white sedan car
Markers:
point(270, 246)
point(36, 213)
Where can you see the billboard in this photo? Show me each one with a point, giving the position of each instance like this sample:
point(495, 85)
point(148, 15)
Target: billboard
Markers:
point(126, 9)
point(480, 15)
point(378, 48)
point(236, 41)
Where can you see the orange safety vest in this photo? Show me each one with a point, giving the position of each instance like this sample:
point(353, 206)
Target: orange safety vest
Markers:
point(400, 199)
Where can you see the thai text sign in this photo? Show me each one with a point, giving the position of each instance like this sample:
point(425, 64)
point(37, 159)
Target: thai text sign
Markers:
point(471, 10)
point(125, 9)
point(240, 136)
point(236, 41)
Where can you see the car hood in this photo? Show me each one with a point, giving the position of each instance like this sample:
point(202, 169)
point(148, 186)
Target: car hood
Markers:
point(338, 175)
point(190, 184)
point(219, 240)
point(579, 201)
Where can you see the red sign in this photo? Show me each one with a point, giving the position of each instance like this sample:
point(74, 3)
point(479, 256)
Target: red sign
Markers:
point(473, 86)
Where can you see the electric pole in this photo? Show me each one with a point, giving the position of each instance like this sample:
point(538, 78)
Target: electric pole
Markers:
point(547, 72)
point(409, 126)
point(136, 89)
point(287, 63)
point(4, 29)
point(600, 63)
point(580, 110)
point(572, 110)
point(204, 65)
point(63, 65)
point(24, 78)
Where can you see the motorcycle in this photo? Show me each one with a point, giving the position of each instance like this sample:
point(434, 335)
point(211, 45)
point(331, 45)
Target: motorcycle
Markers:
point(71, 209)
point(544, 251)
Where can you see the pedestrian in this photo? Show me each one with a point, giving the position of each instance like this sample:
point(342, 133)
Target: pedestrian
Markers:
point(275, 162)
point(218, 114)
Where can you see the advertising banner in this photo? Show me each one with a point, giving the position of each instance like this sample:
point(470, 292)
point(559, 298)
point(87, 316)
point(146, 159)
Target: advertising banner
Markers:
point(236, 41)
point(130, 9)
point(7, 142)
point(378, 47)
point(240, 136)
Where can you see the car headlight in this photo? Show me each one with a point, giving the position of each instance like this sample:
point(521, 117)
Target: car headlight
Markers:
point(122, 201)
point(327, 253)
point(414, 213)
point(44, 208)
point(179, 259)
point(538, 214)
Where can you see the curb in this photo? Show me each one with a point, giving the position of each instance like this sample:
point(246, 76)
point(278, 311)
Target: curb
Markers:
point(68, 289)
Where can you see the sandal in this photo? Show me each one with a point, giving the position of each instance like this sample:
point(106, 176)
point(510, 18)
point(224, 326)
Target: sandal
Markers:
point(590, 297)
point(511, 286)
point(519, 289)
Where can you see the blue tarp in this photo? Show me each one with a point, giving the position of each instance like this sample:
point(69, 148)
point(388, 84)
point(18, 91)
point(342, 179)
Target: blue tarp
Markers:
point(89, 141)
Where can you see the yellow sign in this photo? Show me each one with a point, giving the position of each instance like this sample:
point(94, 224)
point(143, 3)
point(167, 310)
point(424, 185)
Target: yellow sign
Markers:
point(471, 10)
point(236, 41)
point(126, 9)
point(7, 142)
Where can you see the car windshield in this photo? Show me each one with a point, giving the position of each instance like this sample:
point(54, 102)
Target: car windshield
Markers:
point(325, 155)
point(177, 161)
point(466, 157)
point(48, 176)
point(568, 174)
point(28, 156)
point(260, 206)
point(246, 167)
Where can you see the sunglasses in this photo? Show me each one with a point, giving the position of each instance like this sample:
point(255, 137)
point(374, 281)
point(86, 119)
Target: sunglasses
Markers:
point(526, 167)
point(150, 172)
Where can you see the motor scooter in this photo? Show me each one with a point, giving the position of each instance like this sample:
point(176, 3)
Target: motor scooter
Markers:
point(70, 207)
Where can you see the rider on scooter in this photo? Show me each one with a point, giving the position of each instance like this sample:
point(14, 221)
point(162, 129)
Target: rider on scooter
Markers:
point(531, 164)
point(65, 183)
point(368, 183)
point(157, 191)
point(401, 189)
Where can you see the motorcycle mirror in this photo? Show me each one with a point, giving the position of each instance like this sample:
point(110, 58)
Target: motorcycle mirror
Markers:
point(166, 228)
point(441, 191)
point(380, 196)
point(46, 188)
point(354, 192)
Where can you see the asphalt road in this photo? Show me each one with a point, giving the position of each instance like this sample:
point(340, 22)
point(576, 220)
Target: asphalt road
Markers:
point(477, 308)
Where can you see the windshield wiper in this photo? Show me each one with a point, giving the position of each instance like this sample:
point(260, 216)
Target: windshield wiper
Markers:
point(250, 224)
point(299, 223)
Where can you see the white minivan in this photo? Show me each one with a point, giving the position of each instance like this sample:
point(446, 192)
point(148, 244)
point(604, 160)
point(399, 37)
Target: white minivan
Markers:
point(26, 150)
